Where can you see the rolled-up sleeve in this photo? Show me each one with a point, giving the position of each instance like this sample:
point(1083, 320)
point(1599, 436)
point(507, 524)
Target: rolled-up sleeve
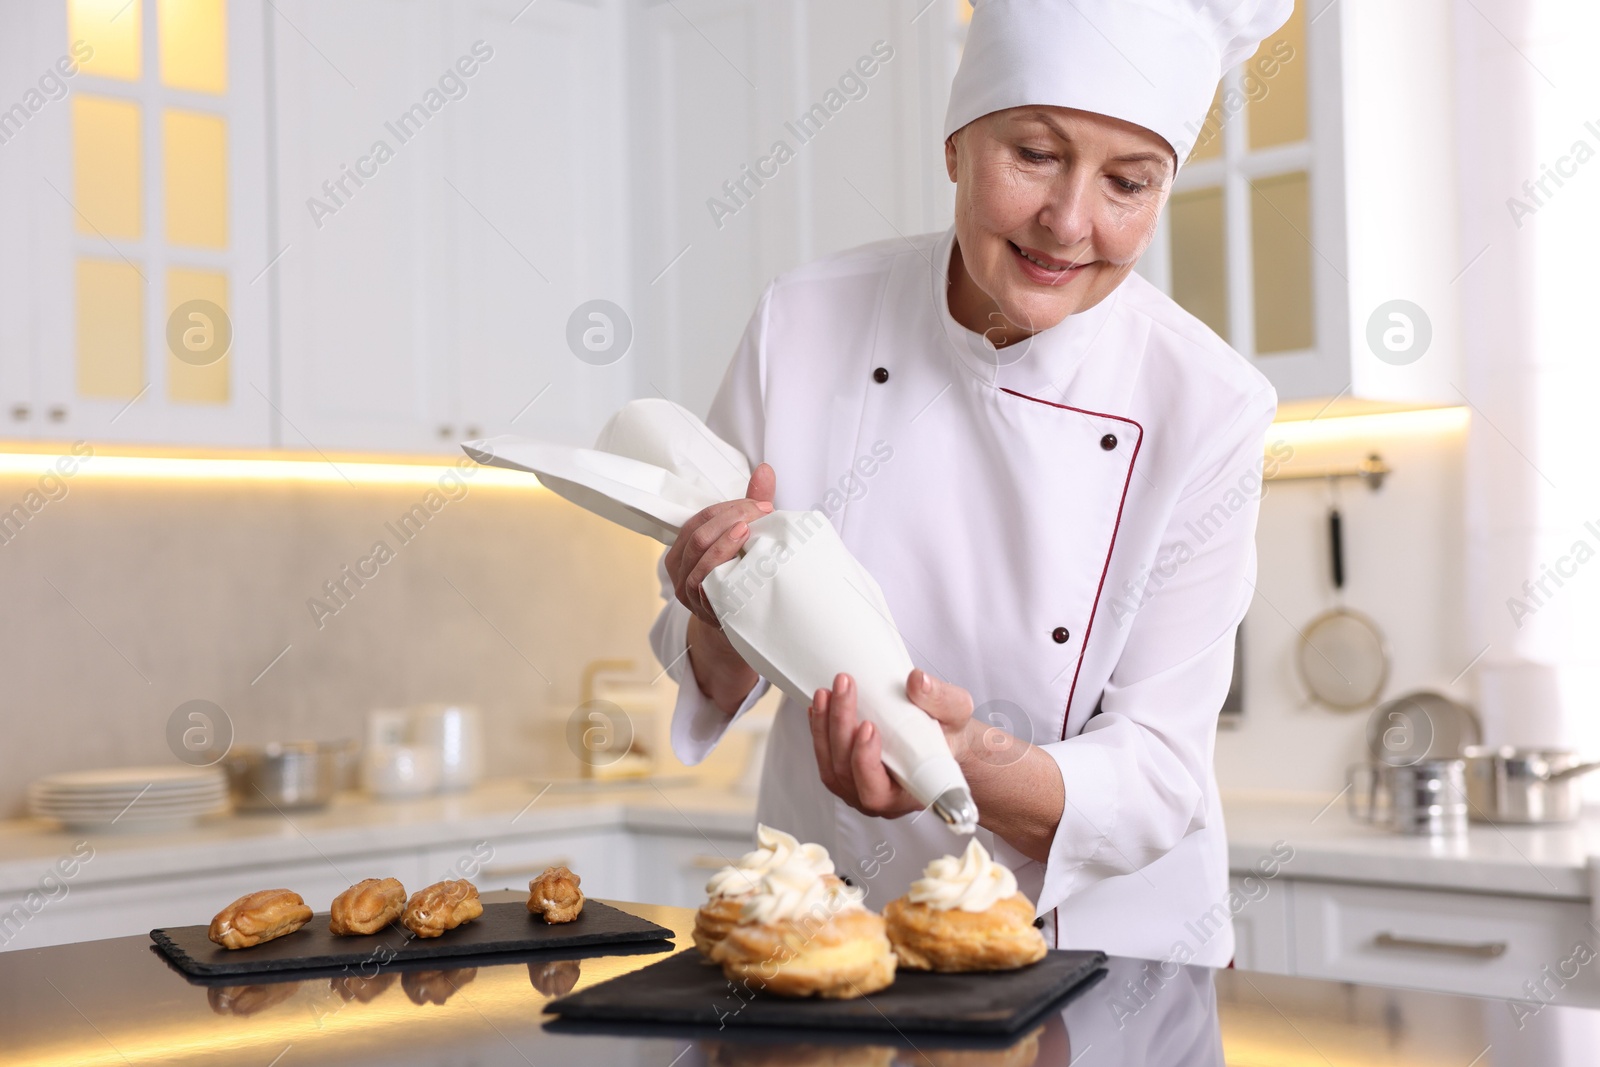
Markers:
point(737, 416)
point(1139, 776)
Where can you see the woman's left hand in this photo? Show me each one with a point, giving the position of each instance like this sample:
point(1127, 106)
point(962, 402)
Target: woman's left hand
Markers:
point(850, 752)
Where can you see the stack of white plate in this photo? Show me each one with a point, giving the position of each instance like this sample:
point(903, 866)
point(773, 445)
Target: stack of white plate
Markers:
point(130, 798)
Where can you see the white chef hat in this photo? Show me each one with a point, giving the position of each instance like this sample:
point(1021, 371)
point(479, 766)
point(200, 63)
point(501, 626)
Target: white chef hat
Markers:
point(1155, 63)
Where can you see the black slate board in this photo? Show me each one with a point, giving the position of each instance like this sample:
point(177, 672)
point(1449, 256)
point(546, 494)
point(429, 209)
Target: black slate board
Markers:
point(683, 989)
point(503, 927)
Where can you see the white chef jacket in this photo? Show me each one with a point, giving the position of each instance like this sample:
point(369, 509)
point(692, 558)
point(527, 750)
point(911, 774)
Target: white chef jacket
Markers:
point(1069, 536)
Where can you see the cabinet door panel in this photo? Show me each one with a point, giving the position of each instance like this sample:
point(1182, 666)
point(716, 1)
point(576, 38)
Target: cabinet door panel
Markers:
point(359, 198)
point(710, 97)
point(53, 248)
point(534, 196)
point(1261, 926)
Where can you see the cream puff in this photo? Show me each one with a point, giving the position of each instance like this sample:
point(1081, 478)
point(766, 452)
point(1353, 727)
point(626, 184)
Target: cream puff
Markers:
point(964, 914)
point(367, 907)
point(800, 936)
point(731, 886)
point(555, 895)
point(259, 917)
point(442, 906)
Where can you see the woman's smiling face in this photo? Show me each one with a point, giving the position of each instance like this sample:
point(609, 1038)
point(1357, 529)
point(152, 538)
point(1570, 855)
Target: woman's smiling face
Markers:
point(1053, 208)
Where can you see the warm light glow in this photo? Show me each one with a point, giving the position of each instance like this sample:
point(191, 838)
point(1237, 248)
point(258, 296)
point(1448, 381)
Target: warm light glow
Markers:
point(1362, 429)
point(299, 469)
point(107, 167)
point(110, 30)
point(194, 44)
point(195, 168)
point(28, 460)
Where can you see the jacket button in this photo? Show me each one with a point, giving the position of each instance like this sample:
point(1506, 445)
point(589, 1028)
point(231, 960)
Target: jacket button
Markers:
point(880, 375)
point(1061, 635)
point(1108, 442)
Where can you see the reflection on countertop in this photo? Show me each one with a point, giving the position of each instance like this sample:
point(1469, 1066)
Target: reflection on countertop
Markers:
point(116, 1002)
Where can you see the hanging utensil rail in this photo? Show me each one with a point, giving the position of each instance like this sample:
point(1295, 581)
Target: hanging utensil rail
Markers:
point(1371, 470)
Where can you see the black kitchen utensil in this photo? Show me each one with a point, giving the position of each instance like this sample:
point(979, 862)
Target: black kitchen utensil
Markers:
point(684, 989)
point(1336, 545)
point(503, 927)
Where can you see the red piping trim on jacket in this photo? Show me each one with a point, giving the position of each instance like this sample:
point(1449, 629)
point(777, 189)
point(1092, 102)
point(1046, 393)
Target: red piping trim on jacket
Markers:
point(1083, 646)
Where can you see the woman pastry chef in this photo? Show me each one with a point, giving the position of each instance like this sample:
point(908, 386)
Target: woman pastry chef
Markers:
point(1051, 469)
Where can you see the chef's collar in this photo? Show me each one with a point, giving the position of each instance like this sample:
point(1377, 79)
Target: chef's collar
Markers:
point(1040, 365)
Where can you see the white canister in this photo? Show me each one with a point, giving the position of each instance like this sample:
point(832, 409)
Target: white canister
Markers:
point(455, 731)
point(387, 727)
point(396, 771)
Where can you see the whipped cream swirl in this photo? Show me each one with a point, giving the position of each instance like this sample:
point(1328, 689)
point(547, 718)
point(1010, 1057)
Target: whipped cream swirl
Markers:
point(794, 890)
point(774, 848)
point(974, 882)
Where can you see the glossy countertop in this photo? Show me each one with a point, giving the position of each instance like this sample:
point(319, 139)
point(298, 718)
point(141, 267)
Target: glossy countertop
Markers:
point(117, 1002)
point(1540, 861)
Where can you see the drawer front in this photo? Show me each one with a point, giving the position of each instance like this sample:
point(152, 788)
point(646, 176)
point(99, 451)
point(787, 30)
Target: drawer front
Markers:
point(1494, 946)
point(88, 913)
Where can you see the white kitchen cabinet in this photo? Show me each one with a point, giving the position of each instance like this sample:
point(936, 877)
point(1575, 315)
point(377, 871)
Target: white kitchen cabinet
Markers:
point(84, 276)
point(742, 177)
point(1369, 85)
point(1453, 942)
point(602, 858)
point(413, 247)
point(425, 298)
point(91, 912)
point(674, 868)
point(359, 202)
point(1261, 926)
point(533, 194)
point(24, 148)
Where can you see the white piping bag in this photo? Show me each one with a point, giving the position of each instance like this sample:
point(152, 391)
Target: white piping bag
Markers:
point(795, 603)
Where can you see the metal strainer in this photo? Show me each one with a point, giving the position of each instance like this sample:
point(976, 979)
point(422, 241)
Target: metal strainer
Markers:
point(1343, 656)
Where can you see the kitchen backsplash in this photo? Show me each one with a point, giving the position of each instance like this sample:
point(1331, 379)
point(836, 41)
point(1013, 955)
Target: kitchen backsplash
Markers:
point(127, 598)
point(275, 601)
point(1403, 567)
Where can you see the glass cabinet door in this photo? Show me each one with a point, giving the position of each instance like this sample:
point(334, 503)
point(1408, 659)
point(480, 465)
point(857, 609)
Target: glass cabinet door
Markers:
point(146, 238)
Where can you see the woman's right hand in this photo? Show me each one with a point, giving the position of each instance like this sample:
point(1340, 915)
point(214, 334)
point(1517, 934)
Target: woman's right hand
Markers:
point(705, 542)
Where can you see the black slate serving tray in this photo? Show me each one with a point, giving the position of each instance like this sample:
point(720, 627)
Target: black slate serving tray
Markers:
point(503, 927)
point(684, 990)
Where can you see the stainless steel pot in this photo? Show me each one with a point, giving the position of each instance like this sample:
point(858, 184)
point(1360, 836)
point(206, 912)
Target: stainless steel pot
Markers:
point(1426, 798)
point(1524, 785)
point(295, 775)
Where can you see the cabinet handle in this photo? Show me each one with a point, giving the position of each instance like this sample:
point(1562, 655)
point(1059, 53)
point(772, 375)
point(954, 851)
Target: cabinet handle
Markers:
point(707, 863)
point(474, 432)
point(19, 412)
point(1485, 950)
point(58, 413)
point(445, 433)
